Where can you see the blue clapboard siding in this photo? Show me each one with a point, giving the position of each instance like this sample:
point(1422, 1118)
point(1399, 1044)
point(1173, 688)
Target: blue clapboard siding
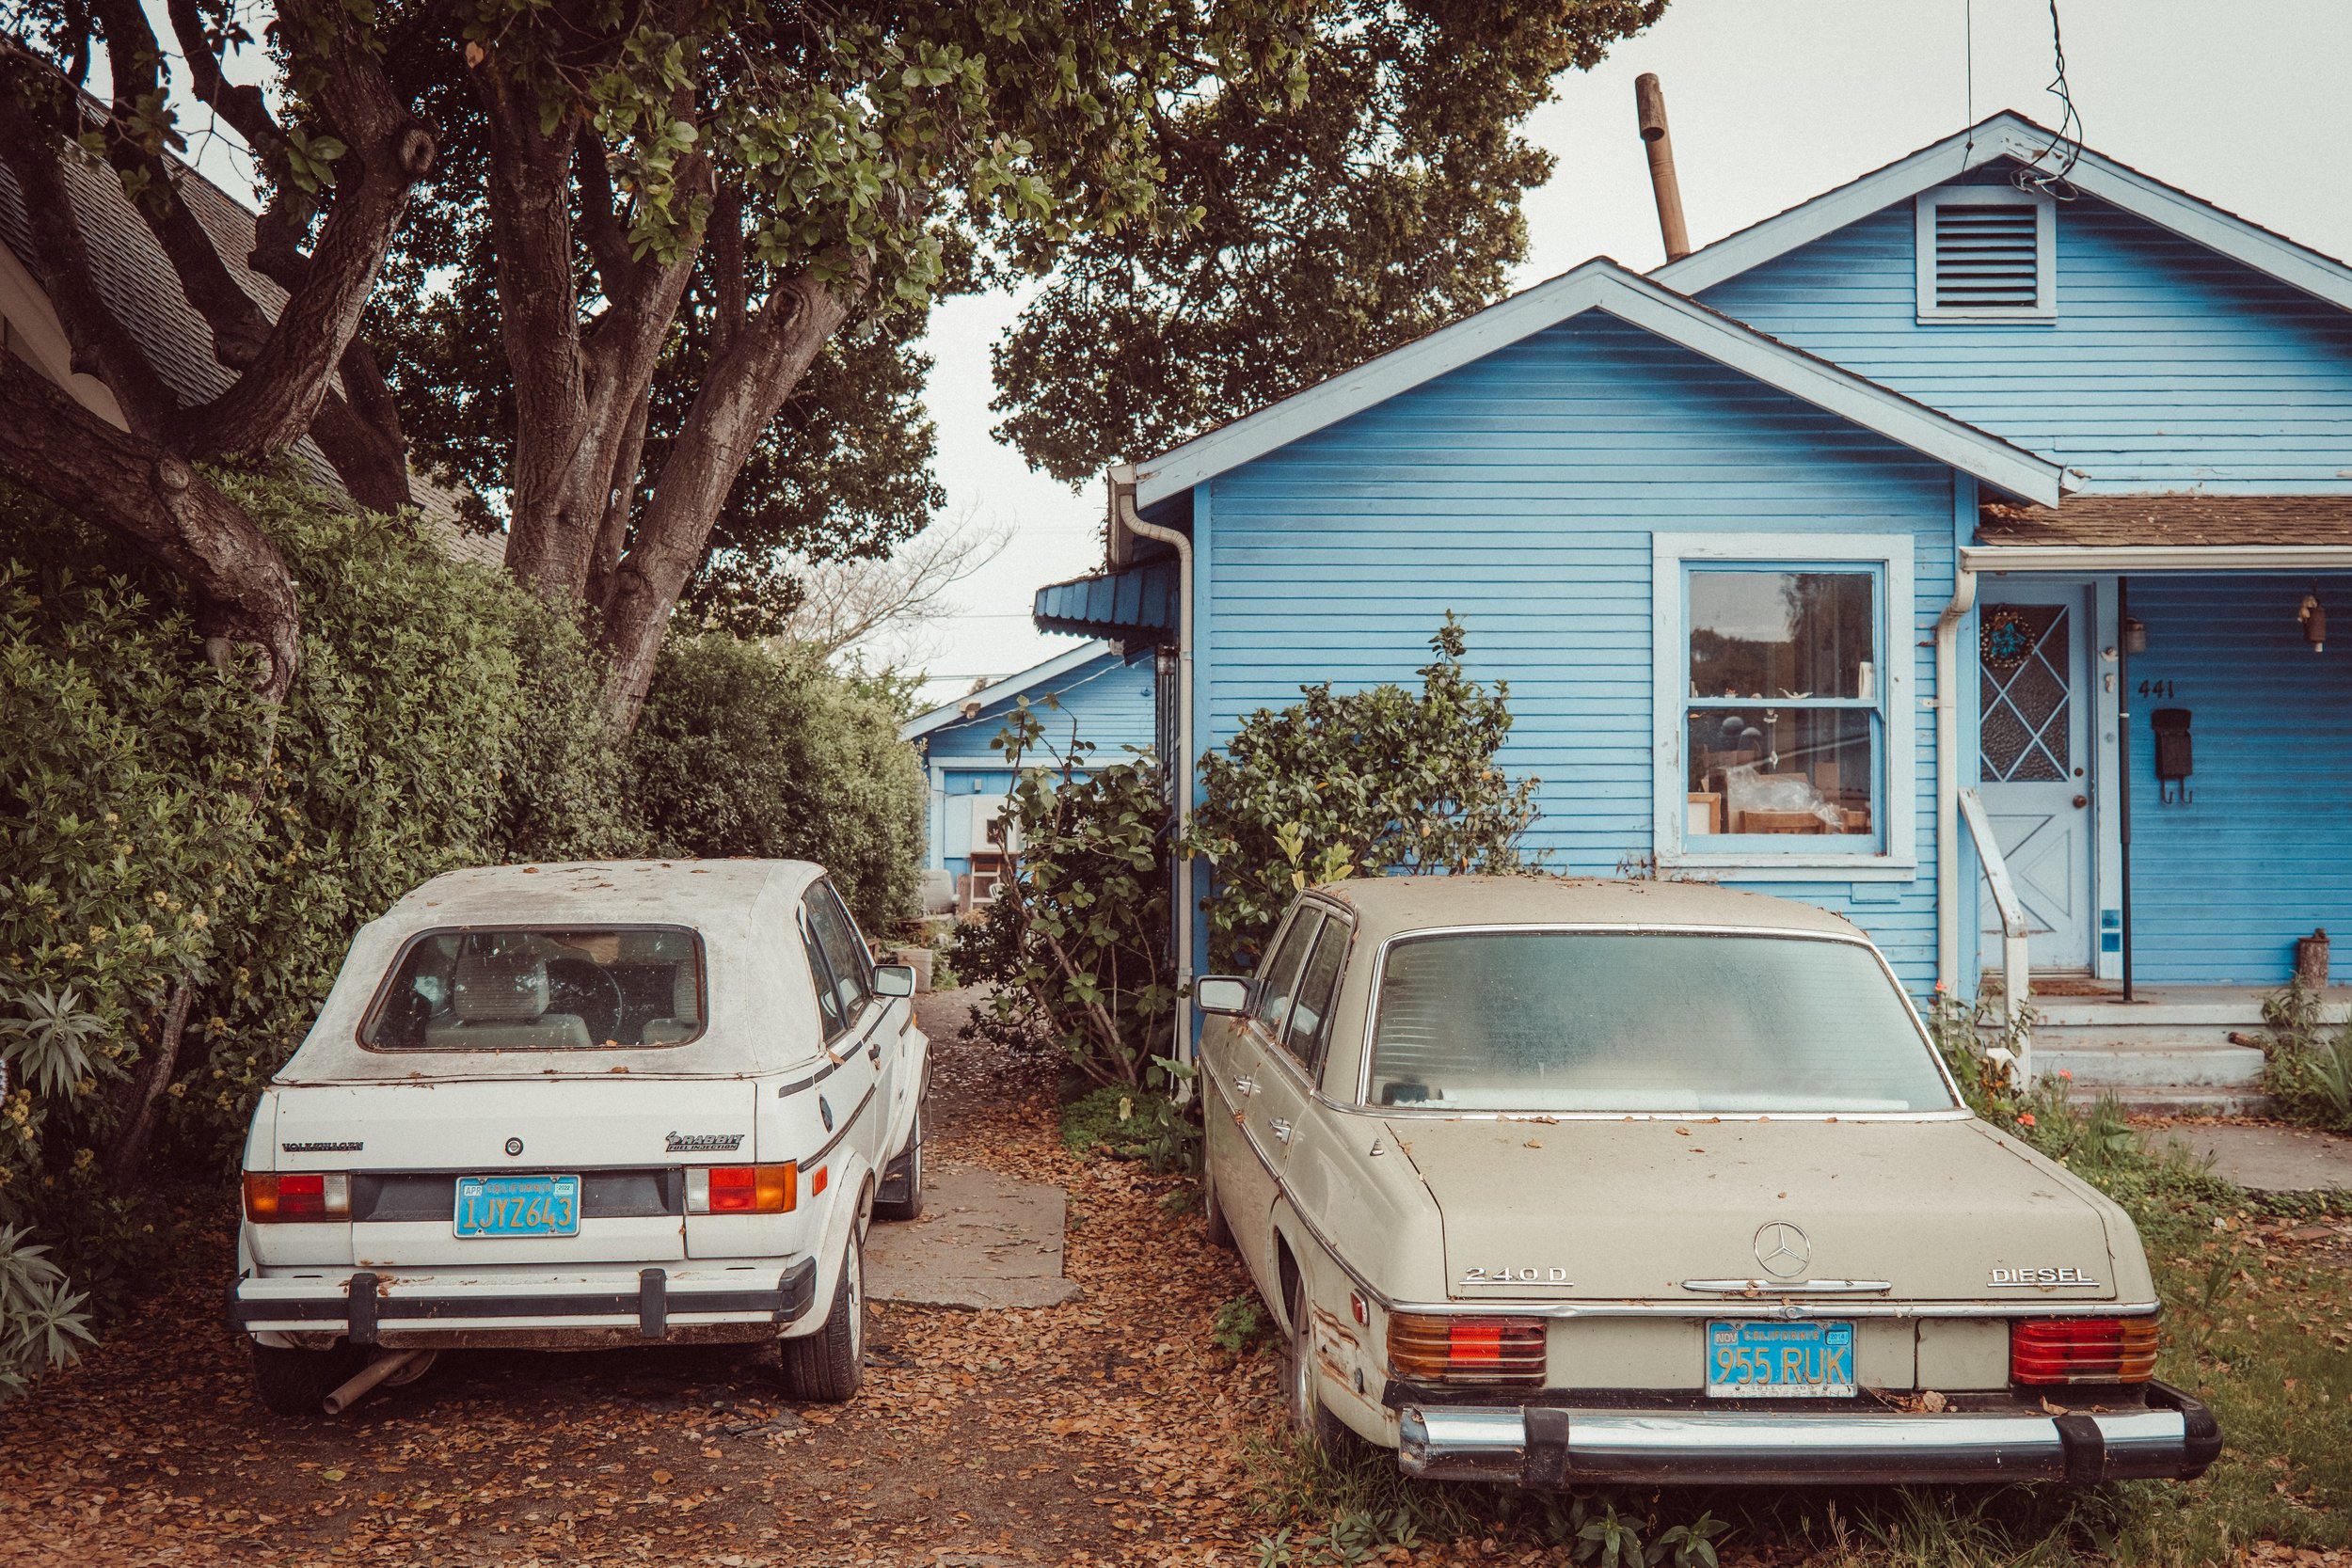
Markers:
point(2168, 366)
point(2263, 851)
point(1521, 492)
point(1106, 702)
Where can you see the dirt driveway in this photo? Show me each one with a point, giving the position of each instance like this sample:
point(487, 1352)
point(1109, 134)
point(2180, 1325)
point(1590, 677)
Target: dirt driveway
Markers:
point(1105, 1429)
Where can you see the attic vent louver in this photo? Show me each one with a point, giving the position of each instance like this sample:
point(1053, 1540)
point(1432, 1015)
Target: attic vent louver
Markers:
point(1985, 255)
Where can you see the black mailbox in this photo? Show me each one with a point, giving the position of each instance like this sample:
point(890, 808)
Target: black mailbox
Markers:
point(2173, 762)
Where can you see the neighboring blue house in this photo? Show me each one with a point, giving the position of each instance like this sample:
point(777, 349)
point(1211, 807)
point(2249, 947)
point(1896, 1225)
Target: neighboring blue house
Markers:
point(1101, 696)
point(1948, 495)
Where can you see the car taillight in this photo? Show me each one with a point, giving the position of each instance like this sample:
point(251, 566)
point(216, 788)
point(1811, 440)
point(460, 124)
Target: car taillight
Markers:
point(742, 1189)
point(272, 1196)
point(1427, 1348)
point(2082, 1350)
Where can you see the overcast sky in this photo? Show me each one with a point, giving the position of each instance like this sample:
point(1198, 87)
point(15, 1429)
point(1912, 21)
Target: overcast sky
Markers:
point(1771, 102)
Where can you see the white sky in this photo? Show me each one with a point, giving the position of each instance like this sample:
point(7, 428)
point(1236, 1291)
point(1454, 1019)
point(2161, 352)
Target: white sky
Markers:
point(1771, 102)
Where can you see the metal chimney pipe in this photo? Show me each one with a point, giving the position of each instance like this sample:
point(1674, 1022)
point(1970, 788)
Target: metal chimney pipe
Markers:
point(1649, 103)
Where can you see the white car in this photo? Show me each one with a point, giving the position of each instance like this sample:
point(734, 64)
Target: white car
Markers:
point(573, 1107)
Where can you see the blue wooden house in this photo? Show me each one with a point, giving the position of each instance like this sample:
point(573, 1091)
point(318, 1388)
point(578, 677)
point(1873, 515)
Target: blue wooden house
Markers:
point(1100, 696)
point(1952, 551)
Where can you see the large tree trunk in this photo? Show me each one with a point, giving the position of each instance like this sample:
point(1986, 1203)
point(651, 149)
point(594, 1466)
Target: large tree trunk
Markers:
point(746, 386)
point(151, 497)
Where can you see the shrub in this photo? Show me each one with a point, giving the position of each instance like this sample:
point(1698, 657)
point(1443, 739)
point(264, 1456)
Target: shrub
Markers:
point(1130, 1124)
point(2307, 1063)
point(1357, 783)
point(1076, 940)
point(746, 749)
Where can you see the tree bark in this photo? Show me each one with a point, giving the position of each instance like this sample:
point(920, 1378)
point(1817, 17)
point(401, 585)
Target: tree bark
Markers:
point(130, 1148)
point(156, 500)
point(745, 386)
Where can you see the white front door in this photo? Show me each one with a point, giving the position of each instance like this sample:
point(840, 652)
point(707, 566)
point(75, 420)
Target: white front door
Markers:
point(2033, 666)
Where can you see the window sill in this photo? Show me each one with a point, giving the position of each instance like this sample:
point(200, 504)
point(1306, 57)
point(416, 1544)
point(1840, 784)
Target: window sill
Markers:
point(1797, 867)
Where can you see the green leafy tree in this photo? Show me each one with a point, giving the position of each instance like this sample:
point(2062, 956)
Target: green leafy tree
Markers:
point(1372, 783)
point(1325, 227)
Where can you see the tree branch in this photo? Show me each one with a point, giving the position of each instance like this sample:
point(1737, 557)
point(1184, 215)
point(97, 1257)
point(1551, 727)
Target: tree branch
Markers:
point(600, 224)
point(55, 448)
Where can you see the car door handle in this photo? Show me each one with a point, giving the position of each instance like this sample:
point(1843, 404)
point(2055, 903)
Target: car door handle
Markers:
point(1245, 1086)
point(1280, 1129)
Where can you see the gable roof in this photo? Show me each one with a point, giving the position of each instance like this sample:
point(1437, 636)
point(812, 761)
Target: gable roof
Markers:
point(2010, 134)
point(1011, 686)
point(1600, 284)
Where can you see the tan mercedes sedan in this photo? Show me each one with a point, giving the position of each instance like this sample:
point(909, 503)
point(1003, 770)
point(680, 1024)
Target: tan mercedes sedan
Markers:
point(1561, 1181)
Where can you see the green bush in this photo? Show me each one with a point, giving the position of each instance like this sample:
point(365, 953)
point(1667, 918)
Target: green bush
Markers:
point(1076, 943)
point(2307, 1064)
point(751, 750)
point(1357, 783)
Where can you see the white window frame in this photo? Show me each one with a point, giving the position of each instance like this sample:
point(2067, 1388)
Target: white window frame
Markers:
point(2044, 250)
point(1896, 858)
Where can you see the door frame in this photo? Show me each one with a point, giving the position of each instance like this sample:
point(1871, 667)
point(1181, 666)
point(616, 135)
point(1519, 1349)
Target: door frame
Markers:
point(2098, 604)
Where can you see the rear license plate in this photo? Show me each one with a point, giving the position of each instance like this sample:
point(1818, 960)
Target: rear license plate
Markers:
point(519, 1206)
point(1779, 1360)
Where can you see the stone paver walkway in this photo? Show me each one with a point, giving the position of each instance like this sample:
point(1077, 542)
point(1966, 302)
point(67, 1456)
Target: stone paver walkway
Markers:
point(985, 1241)
point(2266, 1157)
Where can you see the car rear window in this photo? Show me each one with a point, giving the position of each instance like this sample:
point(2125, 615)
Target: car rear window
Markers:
point(583, 988)
point(1667, 1022)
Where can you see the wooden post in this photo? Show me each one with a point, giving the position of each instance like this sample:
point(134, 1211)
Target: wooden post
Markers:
point(1649, 103)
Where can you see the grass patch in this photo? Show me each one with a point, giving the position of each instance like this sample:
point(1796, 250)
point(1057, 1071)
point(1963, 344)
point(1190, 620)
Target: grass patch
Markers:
point(2257, 1326)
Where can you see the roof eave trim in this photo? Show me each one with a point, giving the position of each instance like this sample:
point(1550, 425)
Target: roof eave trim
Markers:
point(1601, 284)
point(2010, 135)
point(1011, 686)
point(2139, 559)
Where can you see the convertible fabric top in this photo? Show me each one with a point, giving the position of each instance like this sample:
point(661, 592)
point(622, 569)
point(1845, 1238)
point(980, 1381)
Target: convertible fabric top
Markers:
point(761, 1009)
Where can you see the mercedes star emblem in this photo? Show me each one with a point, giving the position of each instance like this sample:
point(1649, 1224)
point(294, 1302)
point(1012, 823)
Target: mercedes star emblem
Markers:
point(514, 1145)
point(1782, 1249)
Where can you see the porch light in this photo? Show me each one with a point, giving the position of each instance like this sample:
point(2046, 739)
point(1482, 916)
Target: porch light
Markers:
point(2315, 618)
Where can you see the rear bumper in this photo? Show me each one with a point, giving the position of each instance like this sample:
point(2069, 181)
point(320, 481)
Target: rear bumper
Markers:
point(654, 1304)
point(2173, 1437)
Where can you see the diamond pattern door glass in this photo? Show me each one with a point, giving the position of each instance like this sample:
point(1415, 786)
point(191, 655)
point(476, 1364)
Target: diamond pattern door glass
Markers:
point(2025, 734)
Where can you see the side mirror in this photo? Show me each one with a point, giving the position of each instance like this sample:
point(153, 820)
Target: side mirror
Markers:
point(1227, 995)
point(894, 979)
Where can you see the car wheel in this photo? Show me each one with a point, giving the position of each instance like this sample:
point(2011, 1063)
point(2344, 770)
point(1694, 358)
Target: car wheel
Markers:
point(1308, 1417)
point(1212, 1217)
point(826, 1367)
point(296, 1382)
point(904, 1178)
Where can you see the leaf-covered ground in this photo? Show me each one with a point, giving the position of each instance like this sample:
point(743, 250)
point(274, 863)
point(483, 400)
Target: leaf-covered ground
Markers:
point(1109, 1428)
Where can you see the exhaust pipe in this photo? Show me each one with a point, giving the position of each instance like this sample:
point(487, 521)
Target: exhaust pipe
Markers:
point(383, 1369)
point(1649, 103)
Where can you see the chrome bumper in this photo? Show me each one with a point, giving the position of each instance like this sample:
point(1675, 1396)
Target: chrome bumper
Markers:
point(1547, 1446)
point(370, 1308)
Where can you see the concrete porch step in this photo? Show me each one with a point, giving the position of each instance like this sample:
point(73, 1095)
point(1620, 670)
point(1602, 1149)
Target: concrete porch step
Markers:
point(2143, 1064)
point(2174, 1100)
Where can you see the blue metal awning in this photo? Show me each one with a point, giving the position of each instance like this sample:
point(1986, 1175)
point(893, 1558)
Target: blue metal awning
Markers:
point(1129, 606)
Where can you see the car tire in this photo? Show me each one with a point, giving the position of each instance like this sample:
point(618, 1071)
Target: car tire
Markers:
point(296, 1382)
point(907, 1168)
point(1308, 1415)
point(1213, 1219)
point(826, 1367)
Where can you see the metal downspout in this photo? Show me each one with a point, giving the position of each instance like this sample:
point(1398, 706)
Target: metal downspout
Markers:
point(1123, 480)
point(1947, 778)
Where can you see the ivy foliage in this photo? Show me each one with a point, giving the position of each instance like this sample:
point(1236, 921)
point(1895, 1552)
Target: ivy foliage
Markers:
point(1381, 782)
point(1077, 944)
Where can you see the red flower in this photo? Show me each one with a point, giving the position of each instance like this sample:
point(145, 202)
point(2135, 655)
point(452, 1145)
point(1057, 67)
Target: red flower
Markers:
point(2025, 1119)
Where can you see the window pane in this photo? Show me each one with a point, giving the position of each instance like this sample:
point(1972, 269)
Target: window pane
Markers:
point(828, 1000)
point(844, 954)
point(1783, 634)
point(1669, 1023)
point(542, 990)
point(1281, 984)
point(1781, 770)
point(1310, 1016)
